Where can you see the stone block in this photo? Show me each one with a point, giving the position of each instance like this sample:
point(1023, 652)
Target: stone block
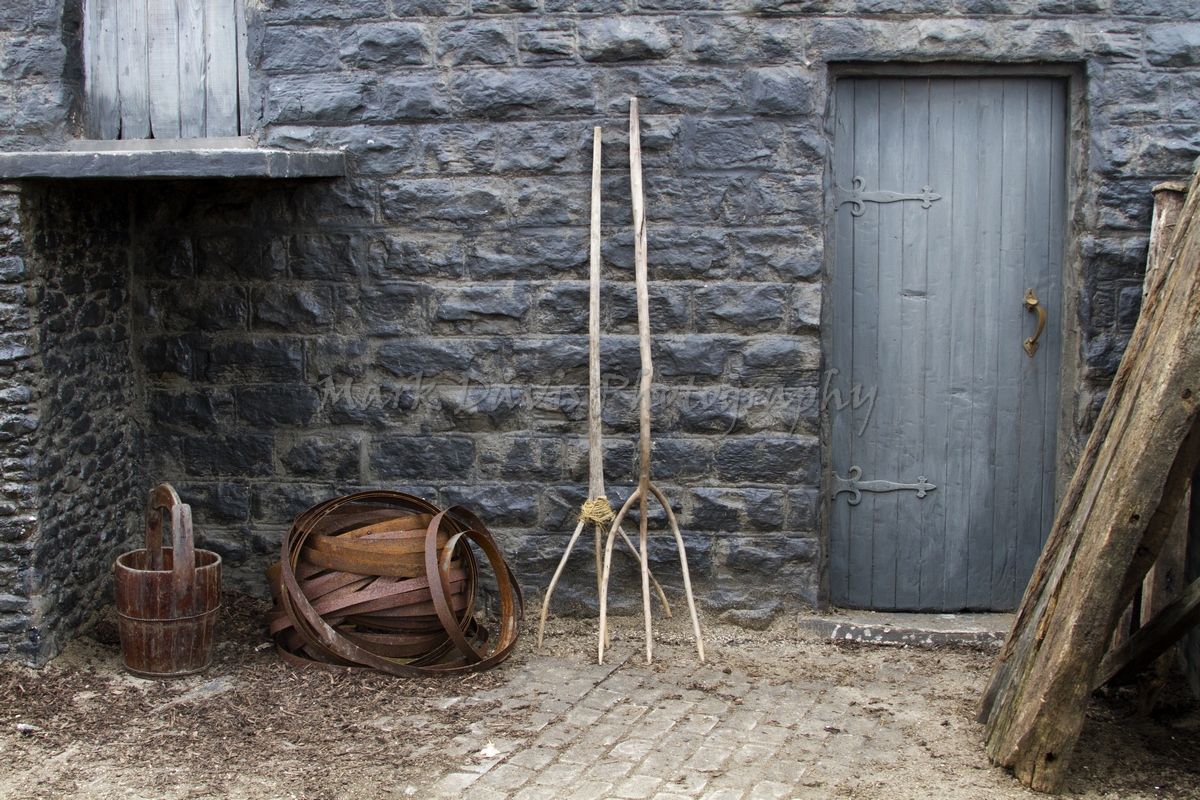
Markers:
point(325, 10)
point(235, 455)
point(327, 97)
point(326, 256)
point(242, 254)
point(457, 358)
point(410, 256)
point(278, 504)
point(530, 93)
point(740, 307)
point(1176, 45)
point(219, 503)
point(203, 307)
point(447, 203)
point(295, 309)
point(385, 45)
point(546, 361)
point(768, 459)
point(735, 143)
point(804, 509)
point(271, 405)
point(547, 43)
point(668, 307)
point(422, 457)
point(253, 359)
point(294, 48)
point(32, 57)
point(395, 309)
point(330, 456)
point(505, 504)
point(608, 39)
point(492, 42)
point(483, 408)
point(522, 458)
point(483, 308)
point(772, 358)
point(688, 357)
point(201, 409)
point(407, 98)
point(680, 459)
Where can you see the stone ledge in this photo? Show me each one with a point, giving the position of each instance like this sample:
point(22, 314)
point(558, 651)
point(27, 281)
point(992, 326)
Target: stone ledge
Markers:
point(222, 162)
point(910, 629)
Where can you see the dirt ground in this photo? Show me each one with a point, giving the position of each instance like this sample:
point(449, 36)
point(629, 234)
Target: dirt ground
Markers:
point(253, 727)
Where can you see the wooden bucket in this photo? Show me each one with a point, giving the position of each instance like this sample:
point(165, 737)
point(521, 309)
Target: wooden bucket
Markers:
point(167, 598)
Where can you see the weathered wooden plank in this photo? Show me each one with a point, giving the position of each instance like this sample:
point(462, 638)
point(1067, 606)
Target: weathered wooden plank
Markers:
point(963, 310)
point(913, 514)
point(1011, 323)
point(133, 60)
point(221, 74)
point(980, 445)
point(1166, 579)
point(163, 84)
point(1123, 497)
point(243, 67)
point(886, 443)
point(1036, 373)
point(938, 383)
point(103, 117)
point(840, 342)
point(864, 363)
point(1156, 637)
point(193, 91)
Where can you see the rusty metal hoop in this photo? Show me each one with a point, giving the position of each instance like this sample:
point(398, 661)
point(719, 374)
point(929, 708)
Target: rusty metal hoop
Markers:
point(385, 580)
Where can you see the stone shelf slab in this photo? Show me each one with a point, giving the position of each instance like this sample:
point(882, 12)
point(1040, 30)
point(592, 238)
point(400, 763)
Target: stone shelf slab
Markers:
point(170, 163)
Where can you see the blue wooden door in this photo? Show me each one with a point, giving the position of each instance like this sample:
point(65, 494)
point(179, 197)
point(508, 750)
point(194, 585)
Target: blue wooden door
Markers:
point(950, 210)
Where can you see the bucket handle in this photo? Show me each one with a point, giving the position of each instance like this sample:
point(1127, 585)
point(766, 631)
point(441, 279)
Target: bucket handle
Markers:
point(164, 498)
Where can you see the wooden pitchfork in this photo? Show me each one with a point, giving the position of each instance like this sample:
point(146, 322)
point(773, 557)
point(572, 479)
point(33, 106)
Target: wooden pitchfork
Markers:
point(596, 509)
point(645, 487)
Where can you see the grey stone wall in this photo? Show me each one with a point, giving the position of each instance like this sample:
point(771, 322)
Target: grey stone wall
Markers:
point(90, 493)
point(420, 324)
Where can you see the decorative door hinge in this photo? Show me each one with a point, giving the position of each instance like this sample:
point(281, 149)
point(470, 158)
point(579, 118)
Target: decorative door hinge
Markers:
point(856, 487)
point(857, 197)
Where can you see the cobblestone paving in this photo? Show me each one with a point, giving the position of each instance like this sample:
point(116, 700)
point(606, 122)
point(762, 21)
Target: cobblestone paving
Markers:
point(679, 729)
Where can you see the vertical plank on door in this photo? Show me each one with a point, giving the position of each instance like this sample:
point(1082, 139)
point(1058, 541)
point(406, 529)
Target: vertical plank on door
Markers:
point(939, 313)
point(103, 117)
point(981, 442)
point(193, 90)
point(888, 406)
point(913, 513)
point(1034, 377)
point(1012, 322)
point(243, 67)
point(164, 68)
point(221, 84)
point(133, 70)
point(864, 364)
point(1053, 337)
point(841, 341)
point(961, 339)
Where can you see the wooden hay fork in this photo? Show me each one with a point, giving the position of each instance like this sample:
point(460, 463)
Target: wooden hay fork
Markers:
point(645, 487)
point(595, 511)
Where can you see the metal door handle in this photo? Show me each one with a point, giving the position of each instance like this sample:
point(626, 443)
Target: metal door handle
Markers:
point(1032, 304)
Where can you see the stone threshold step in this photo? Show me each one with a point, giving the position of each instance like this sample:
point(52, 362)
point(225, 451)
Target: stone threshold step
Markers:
point(909, 629)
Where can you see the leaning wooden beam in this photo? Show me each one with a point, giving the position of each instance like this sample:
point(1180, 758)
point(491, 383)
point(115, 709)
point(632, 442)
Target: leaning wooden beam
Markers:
point(645, 488)
point(1165, 581)
point(1110, 526)
point(596, 511)
point(1153, 639)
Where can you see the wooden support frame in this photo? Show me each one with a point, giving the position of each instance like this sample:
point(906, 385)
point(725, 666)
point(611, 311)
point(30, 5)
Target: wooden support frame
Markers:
point(1116, 514)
